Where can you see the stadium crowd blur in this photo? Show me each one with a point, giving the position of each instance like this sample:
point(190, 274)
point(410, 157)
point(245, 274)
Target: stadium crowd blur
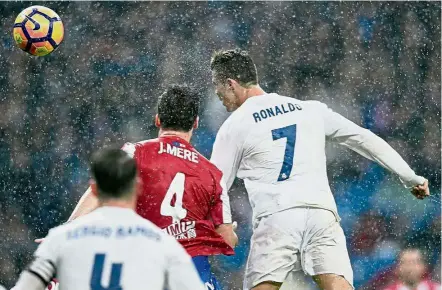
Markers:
point(376, 63)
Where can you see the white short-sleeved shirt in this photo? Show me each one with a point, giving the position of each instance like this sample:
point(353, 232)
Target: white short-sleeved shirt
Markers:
point(114, 246)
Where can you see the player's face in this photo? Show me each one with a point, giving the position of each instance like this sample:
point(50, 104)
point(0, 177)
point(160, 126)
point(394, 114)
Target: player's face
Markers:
point(411, 266)
point(226, 95)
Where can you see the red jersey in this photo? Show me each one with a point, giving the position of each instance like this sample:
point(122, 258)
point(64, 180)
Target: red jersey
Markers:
point(183, 193)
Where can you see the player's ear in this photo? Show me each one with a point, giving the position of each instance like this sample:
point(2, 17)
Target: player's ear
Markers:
point(94, 188)
point(157, 121)
point(234, 86)
point(231, 83)
point(196, 123)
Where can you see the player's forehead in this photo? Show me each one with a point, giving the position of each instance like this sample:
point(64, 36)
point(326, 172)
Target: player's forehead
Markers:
point(410, 256)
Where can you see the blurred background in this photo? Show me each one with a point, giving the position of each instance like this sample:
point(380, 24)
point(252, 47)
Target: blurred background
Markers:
point(377, 64)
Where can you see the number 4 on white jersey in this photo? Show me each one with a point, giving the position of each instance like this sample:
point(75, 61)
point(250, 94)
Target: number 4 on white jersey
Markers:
point(177, 212)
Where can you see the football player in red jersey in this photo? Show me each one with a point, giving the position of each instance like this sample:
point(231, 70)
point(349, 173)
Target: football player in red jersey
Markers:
point(411, 271)
point(183, 193)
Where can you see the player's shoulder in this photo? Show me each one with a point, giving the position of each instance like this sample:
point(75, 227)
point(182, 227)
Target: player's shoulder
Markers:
point(60, 232)
point(313, 107)
point(79, 221)
point(131, 147)
point(234, 118)
point(277, 99)
point(206, 169)
point(212, 169)
point(236, 123)
point(140, 144)
point(314, 104)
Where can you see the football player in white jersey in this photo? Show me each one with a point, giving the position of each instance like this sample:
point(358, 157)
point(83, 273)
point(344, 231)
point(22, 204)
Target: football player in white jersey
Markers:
point(112, 247)
point(276, 144)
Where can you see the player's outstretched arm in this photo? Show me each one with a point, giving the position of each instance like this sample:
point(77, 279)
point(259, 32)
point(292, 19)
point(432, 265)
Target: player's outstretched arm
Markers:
point(87, 203)
point(374, 148)
point(181, 272)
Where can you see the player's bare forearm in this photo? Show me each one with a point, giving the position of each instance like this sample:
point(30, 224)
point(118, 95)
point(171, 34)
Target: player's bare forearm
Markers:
point(88, 202)
point(228, 233)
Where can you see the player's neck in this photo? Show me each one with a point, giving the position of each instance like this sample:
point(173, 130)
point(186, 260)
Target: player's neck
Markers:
point(183, 135)
point(254, 91)
point(118, 203)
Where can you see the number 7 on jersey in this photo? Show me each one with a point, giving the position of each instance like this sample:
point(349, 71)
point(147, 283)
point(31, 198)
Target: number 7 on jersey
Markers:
point(289, 133)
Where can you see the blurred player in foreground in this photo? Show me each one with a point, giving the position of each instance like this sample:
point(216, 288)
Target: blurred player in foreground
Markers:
point(113, 247)
point(183, 193)
point(410, 271)
point(277, 145)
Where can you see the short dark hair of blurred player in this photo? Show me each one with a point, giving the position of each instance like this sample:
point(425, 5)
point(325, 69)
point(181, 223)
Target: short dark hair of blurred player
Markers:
point(183, 193)
point(137, 251)
point(411, 270)
point(276, 144)
point(114, 177)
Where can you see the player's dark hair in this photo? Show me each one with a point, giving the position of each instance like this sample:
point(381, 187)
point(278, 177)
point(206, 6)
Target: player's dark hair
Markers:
point(178, 108)
point(234, 64)
point(114, 172)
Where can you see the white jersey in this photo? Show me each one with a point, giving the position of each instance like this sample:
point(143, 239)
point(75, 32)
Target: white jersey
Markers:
point(276, 144)
point(112, 248)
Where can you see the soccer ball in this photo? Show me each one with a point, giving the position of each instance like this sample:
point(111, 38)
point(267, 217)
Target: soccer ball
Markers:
point(38, 30)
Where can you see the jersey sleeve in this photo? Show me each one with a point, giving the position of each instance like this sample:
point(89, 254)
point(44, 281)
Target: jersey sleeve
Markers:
point(181, 272)
point(367, 144)
point(227, 152)
point(220, 211)
point(28, 281)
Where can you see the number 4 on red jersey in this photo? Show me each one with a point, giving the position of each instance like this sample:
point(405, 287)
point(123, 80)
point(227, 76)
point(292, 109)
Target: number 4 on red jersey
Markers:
point(183, 193)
